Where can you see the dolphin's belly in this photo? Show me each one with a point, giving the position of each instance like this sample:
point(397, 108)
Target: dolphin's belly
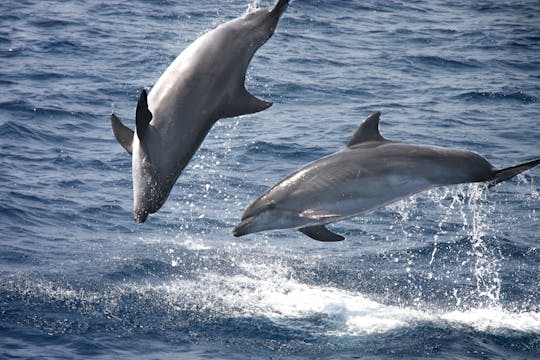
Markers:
point(378, 193)
point(195, 83)
point(359, 195)
point(185, 101)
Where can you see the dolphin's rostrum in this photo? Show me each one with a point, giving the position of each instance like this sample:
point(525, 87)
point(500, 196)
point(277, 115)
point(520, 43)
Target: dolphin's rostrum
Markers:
point(203, 84)
point(369, 173)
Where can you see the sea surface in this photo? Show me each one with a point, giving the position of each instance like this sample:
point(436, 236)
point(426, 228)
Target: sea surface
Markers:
point(453, 273)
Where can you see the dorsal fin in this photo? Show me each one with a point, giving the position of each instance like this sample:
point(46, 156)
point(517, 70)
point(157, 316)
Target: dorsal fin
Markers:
point(367, 131)
point(143, 116)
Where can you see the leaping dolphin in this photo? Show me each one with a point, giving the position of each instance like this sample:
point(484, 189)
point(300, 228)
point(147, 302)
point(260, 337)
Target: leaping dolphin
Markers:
point(203, 84)
point(369, 173)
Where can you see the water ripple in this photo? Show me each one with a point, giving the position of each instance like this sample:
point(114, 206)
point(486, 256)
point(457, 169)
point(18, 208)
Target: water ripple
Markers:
point(518, 96)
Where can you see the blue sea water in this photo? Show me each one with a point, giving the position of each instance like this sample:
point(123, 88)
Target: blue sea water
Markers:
point(448, 274)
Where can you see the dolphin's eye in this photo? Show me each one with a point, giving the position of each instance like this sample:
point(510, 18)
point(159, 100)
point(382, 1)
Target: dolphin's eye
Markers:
point(271, 205)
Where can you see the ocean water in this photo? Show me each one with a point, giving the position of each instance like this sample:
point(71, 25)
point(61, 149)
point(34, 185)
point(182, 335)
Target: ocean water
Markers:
point(448, 274)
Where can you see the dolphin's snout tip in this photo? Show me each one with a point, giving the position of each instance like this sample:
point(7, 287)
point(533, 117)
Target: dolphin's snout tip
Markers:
point(141, 217)
point(242, 228)
point(237, 231)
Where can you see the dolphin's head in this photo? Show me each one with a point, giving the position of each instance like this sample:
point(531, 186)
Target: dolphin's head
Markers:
point(149, 197)
point(266, 214)
point(150, 190)
point(147, 200)
point(150, 187)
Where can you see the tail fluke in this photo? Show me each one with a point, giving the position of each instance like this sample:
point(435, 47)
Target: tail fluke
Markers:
point(510, 172)
point(279, 8)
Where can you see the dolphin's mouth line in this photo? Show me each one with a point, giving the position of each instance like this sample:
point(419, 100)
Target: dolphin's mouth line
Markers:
point(240, 229)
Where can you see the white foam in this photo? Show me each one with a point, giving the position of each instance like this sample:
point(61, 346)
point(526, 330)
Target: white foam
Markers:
point(194, 244)
point(495, 320)
point(273, 293)
point(187, 241)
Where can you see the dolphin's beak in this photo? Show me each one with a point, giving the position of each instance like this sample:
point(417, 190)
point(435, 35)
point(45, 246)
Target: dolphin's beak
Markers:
point(141, 216)
point(243, 228)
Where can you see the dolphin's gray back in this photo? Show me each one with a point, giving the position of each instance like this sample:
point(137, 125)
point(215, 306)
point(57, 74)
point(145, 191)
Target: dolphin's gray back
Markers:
point(372, 175)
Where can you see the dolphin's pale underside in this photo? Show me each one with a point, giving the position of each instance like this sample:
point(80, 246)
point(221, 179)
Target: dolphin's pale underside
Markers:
point(369, 173)
point(203, 84)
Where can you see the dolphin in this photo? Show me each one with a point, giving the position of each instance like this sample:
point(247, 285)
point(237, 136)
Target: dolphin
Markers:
point(203, 84)
point(369, 173)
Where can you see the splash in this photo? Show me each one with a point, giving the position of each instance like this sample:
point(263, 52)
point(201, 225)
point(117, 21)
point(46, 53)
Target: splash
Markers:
point(254, 6)
point(457, 215)
point(483, 254)
point(486, 254)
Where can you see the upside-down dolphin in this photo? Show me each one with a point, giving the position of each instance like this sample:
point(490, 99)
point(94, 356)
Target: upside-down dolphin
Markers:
point(203, 84)
point(369, 173)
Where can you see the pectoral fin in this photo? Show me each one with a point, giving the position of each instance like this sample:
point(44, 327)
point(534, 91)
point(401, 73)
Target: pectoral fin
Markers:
point(243, 103)
point(122, 133)
point(320, 233)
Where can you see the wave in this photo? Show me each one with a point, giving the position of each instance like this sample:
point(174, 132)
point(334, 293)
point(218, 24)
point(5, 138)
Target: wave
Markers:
point(443, 63)
point(287, 151)
point(23, 109)
point(20, 215)
point(71, 46)
point(51, 22)
point(17, 105)
point(518, 96)
point(12, 130)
